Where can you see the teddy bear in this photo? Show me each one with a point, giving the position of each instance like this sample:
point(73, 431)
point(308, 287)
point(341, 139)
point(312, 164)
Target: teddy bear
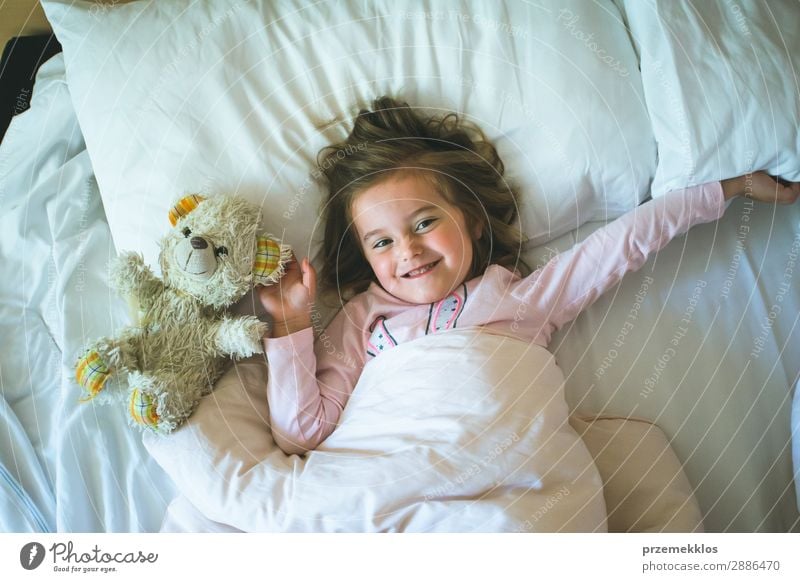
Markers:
point(180, 342)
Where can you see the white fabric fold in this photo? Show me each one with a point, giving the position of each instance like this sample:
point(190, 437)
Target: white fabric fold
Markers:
point(458, 432)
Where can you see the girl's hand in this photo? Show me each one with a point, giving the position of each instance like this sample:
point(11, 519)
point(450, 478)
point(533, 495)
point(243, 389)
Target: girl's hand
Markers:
point(762, 187)
point(289, 300)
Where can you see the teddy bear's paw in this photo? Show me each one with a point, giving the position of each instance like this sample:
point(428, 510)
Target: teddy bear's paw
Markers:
point(128, 271)
point(240, 337)
point(91, 373)
point(153, 405)
point(126, 264)
point(255, 330)
point(143, 409)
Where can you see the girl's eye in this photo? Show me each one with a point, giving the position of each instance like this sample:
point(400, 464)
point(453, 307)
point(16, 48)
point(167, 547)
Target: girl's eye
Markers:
point(423, 224)
point(381, 243)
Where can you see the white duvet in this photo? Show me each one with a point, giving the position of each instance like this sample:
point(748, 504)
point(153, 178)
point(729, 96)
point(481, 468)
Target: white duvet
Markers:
point(458, 432)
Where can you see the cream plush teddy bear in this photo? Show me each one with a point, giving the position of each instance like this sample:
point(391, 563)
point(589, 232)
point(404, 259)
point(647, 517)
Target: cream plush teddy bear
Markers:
point(177, 349)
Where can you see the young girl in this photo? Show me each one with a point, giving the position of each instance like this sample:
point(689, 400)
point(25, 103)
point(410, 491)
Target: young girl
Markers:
point(419, 239)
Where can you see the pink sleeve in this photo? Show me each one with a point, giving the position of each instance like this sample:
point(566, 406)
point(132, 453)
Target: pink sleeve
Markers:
point(573, 280)
point(310, 383)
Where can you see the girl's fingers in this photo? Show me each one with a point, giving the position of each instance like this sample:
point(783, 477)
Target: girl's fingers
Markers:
point(292, 265)
point(309, 278)
point(788, 192)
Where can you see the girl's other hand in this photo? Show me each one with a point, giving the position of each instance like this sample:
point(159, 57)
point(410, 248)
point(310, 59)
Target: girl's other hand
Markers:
point(289, 301)
point(762, 187)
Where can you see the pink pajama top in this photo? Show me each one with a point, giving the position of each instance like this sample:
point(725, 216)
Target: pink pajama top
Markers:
point(311, 380)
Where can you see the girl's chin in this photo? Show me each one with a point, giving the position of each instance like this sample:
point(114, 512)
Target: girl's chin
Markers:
point(422, 296)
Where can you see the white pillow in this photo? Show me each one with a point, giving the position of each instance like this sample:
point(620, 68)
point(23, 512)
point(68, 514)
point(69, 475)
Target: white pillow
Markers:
point(182, 96)
point(720, 80)
point(644, 485)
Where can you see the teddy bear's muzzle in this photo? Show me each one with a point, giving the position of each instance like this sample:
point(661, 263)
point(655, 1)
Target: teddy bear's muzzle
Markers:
point(196, 257)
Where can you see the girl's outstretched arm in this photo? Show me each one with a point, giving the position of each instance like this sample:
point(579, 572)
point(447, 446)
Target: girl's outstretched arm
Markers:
point(573, 280)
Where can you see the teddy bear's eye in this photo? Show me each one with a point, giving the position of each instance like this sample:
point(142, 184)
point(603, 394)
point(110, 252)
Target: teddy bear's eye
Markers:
point(221, 251)
point(186, 232)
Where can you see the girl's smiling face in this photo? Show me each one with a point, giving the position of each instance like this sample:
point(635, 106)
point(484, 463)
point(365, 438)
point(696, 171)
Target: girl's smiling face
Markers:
point(416, 241)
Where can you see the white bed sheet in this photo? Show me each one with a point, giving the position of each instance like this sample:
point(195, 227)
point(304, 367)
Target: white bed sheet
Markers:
point(694, 343)
point(73, 467)
point(66, 466)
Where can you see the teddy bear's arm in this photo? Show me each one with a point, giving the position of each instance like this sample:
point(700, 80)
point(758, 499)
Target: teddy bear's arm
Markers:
point(240, 337)
point(132, 278)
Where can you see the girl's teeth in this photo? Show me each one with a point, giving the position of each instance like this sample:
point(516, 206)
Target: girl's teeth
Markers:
point(421, 270)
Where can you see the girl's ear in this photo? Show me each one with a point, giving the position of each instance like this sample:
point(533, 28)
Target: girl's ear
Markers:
point(477, 230)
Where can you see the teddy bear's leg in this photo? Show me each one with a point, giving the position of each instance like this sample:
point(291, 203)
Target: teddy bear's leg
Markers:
point(143, 401)
point(101, 360)
point(160, 405)
point(91, 373)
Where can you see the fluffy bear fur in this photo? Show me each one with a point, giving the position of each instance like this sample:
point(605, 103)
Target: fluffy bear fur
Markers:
point(177, 349)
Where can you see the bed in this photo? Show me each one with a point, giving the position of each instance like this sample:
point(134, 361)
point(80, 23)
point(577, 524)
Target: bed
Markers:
point(681, 381)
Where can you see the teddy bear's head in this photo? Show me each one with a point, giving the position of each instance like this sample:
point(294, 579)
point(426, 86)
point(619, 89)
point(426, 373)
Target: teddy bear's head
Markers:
point(214, 252)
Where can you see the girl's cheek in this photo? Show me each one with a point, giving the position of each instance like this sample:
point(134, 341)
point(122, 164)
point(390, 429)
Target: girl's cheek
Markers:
point(381, 267)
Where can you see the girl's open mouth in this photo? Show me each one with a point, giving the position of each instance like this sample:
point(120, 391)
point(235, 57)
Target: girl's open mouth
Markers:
point(423, 270)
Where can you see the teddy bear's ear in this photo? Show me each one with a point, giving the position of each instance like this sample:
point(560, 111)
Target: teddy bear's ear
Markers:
point(271, 257)
point(184, 206)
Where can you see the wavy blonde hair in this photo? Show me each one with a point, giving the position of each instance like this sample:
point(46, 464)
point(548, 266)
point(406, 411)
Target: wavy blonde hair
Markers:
point(457, 159)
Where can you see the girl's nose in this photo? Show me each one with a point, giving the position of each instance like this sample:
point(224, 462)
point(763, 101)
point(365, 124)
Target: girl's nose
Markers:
point(410, 248)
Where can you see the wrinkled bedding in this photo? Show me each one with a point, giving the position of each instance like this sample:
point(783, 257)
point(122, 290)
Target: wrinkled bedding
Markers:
point(64, 466)
point(722, 384)
point(458, 432)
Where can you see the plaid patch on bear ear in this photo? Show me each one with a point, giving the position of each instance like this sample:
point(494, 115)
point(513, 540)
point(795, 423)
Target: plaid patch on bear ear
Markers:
point(270, 258)
point(184, 206)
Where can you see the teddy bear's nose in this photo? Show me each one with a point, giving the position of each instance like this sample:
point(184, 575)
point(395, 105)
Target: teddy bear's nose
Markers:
point(199, 243)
